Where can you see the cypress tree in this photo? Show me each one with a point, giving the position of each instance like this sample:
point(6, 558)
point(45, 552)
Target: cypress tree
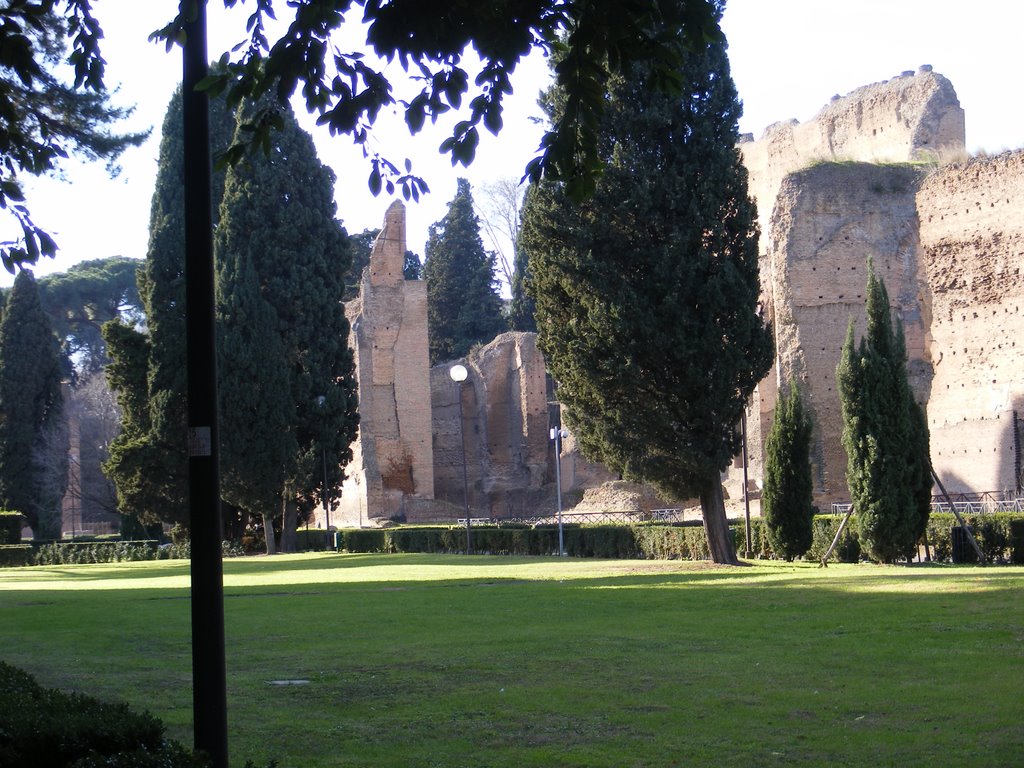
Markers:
point(148, 461)
point(646, 294)
point(463, 306)
point(31, 409)
point(884, 433)
point(278, 221)
point(787, 506)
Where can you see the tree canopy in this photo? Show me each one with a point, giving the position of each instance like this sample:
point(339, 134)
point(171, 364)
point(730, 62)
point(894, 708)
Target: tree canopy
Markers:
point(44, 118)
point(85, 297)
point(646, 293)
point(463, 306)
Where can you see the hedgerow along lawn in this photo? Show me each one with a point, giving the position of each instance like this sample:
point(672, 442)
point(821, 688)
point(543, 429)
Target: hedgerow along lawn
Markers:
point(422, 660)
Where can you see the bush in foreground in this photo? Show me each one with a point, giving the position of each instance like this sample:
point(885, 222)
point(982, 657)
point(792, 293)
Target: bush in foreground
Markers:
point(46, 728)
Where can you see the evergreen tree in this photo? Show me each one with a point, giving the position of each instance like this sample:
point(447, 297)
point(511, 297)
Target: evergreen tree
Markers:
point(787, 506)
point(31, 410)
point(149, 461)
point(646, 293)
point(360, 246)
point(412, 267)
point(463, 306)
point(884, 434)
point(278, 220)
point(85, 297)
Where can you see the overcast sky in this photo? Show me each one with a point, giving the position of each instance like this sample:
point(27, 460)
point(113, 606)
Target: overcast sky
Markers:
point(788, 58)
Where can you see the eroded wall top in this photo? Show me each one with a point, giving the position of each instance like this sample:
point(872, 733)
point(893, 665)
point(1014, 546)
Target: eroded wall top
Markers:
point(903, 119)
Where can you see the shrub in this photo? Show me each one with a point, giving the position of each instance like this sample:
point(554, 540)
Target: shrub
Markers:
point(824, 529)
point(47, 728)
point(1017, 542)
point(75, 552)
point(13, 555)
point(10, 527)
point(308, 540)
point(363, 540)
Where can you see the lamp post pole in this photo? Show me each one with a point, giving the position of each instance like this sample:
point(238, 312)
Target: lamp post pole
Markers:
point(557, 435)
point(459, 373)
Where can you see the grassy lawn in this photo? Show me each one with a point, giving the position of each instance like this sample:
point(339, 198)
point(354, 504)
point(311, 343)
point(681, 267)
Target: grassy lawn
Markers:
point(417, 660)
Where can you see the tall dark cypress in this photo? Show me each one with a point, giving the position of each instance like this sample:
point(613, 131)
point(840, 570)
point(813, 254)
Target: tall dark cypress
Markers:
point(30, 409)
point(282, 260)
point(646, 294)
point(149, 459)
point(885, 434)
point(463, 306)
point(787, 504)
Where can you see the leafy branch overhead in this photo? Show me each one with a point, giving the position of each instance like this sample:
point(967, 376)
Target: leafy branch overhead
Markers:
point(44, 119)
point(594, 40)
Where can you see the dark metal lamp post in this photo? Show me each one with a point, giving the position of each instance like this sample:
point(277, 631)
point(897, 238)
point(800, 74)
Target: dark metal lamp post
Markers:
point(459, 373)
point(558, 434)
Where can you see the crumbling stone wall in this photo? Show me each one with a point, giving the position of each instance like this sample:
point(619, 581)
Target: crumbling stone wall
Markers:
point(909, 117)
point(828, 221)
point(509, 458)
point(393, 462)
point(972, 253)
point(949, 243)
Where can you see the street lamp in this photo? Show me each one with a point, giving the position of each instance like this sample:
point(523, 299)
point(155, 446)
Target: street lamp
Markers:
point(558, 434)
point(459, 373)
point(321, 402)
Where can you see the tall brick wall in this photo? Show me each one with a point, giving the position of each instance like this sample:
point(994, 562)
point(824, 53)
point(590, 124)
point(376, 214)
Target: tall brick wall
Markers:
point(972, 252)
point(393, 461)
point(509, 458)
point(828, 221)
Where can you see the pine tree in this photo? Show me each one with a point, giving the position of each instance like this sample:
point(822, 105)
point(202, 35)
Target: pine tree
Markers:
point(884, 434)
point(31, 410)
point(278, 221)
point(787, 506)
point(85, 297)
point(463, 306)
point(148, 461)
point(646, 294)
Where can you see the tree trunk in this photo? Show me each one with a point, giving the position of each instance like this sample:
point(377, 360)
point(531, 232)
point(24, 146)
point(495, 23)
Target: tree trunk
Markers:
point(289, 522)
point(716, 524)
point(268, 533)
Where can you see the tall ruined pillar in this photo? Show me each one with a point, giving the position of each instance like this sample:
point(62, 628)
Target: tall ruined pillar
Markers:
point(392, 455)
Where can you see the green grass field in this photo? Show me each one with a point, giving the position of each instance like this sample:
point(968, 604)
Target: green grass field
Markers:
point(417, 660)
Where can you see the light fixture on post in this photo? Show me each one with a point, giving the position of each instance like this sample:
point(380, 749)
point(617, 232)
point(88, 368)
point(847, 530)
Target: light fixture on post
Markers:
point(459, 373)
point(321, 402)
point(557, 435)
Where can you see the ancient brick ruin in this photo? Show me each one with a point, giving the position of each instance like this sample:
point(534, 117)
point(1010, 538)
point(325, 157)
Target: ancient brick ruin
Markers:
point(393, 461)
point(946, 239)
point(862, 179)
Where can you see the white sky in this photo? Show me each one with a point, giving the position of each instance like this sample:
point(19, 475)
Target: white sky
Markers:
point(788, 57)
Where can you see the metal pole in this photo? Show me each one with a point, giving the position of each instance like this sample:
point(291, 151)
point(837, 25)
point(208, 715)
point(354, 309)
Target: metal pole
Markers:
point(746, 494)
point(209, 676)
point(556, 435)
point(465, 477)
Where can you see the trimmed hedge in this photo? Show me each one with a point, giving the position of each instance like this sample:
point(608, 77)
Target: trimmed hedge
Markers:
point(13, 555)
point(47, 728)
point(75, 552)
point(1001, 537)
